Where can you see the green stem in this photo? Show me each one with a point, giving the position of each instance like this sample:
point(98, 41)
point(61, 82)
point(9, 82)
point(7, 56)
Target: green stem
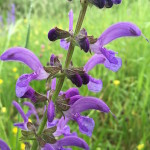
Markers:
point(67, 62)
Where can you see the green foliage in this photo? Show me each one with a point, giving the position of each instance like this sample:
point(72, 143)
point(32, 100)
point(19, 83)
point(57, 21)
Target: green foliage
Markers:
point(129, 100)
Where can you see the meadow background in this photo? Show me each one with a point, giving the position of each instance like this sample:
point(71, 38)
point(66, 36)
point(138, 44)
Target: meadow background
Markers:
point(126, 92)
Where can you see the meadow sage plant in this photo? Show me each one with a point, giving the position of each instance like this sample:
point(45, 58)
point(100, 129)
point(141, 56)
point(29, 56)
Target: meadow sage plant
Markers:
point(51, 130)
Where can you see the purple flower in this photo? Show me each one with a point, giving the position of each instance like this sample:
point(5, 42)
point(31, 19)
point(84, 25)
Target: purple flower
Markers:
point(107, 57)
point(25, 117)
point(27, 57)
point(63, 43)
point(118, 30)
point(3, 145)
point(62, 127)
point(86, 124)
point(67, 141)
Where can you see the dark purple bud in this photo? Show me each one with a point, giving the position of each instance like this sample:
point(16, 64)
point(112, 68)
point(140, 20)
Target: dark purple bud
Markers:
point(77, 80)
point(98, 3)
point(116, 1)
point(84, 44)
point(108, 3)
point(52, 58)
point(83, 41)
point(57, 33)
point(85, 78)
point(52, 35)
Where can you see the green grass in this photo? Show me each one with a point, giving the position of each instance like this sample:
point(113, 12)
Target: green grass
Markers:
point(129, 101)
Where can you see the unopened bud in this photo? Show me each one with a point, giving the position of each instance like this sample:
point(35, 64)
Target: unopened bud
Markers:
point(108, 3)
point(85, 78)
point(57, 33)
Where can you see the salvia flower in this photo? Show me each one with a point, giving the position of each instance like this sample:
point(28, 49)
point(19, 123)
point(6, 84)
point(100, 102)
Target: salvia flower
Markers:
point(23, 90)
point(105, 56)
point(25, 117)
point(62, 127)
point(63, 42)
point(67, 141)
point(81, 40)
point(86, 124)
point(3, 145)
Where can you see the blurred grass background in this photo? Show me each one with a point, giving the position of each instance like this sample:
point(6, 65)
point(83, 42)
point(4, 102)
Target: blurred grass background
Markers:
point(129, 99)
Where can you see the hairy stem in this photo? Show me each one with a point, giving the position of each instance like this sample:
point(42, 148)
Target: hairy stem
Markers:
point(67, 62)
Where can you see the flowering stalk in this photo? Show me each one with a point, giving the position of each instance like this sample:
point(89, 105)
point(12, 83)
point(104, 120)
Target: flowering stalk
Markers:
point(68, 60)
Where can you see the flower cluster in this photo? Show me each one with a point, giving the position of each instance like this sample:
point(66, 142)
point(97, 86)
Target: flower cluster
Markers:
point(67, 105)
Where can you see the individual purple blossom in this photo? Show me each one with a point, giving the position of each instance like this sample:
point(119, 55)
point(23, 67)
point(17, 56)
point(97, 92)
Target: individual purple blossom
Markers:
point(86, 124)
point(27, 57)
point(62, 127)
point(3, 145)
point(105, 56)
point(67, 141)
point(63, 43)
point(25, 117)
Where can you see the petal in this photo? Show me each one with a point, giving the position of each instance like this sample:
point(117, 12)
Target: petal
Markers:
point(70, 20)
point(87, 103)
point(64, 44)
point(112, 66)
point(22, 84)
point(23, 55)
point(86, 124)
point(32, 108)
point(30, 93)
point(20, 110)
point(48, 147)
point(94, 60)
point(95, 85)
point(73, 99)
point(71, 92)
point(51, 111)
point(72, 141)
point(53, 84)
point(3, 145)
point(62, 122)
point(22, 126)
point(109, 55)
point(118, 30)
point(29, 113)
point(52, 124)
